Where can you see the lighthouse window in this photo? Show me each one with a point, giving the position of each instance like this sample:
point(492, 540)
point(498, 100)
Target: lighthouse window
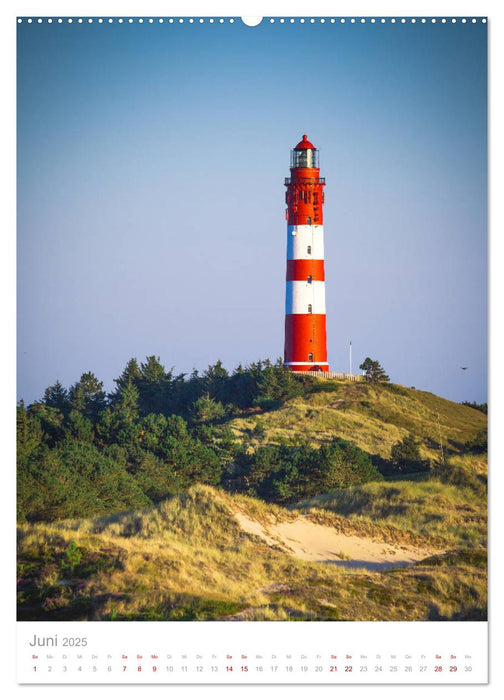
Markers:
point(305, 158)
point(308, 250)
point(309, 308)
point(309, 279)
point(310, 357)
point(308, 221)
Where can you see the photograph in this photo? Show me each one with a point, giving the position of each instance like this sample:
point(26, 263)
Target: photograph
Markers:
point(251, 319)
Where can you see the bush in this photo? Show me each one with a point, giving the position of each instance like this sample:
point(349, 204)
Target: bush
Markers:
point(405, 455)
point(286, 474)
point(479, 444)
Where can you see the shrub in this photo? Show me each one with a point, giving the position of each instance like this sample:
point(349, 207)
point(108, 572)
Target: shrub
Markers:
point(285, 473)
point(479, 444)
point(405, 455)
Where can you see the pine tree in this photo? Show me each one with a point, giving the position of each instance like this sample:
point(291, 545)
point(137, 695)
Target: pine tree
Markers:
point(56, 396)
point(373, 371)
point(154, 385)
point(130, 373)
point(152, 370)
point(87, 396)
point(215, 381)
point(405, 455)
point(29, 434)
point(119, 423)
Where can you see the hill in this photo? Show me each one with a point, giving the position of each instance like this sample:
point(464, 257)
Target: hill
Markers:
point(372, 416)
point(208, 555)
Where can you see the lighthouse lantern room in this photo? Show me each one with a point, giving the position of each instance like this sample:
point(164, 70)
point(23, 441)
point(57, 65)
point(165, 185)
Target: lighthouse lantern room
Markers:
point(305, 312)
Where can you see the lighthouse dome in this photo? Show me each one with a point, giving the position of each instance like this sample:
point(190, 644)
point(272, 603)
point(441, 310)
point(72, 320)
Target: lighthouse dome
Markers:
point(304, 144)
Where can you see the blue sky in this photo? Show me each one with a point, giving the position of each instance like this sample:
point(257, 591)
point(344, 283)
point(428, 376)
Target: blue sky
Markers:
point(151, 161)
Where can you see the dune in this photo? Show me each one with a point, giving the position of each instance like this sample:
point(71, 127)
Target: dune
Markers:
point(311, 541)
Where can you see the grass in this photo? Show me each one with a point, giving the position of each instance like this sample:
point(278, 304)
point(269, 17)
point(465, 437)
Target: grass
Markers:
point(188, 559)
point(374, 417)
point(455, 512)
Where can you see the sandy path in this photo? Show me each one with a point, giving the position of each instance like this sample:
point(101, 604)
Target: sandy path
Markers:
point(313, 542)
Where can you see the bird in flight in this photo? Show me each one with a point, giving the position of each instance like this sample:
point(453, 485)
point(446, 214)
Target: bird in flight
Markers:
point(464, 368)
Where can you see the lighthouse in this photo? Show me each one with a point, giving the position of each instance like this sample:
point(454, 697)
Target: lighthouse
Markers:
point(305, 311)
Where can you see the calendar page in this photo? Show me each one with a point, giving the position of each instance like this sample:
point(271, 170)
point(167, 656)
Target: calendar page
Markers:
point(252, 340)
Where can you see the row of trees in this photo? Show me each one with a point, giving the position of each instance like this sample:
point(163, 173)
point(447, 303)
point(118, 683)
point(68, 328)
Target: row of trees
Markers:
point(149, 388)
point(483, 407)
point(153, 389)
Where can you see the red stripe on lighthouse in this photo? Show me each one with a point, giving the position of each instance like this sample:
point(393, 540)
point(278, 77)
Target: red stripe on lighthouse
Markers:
point(307, 270)
point(305, 340)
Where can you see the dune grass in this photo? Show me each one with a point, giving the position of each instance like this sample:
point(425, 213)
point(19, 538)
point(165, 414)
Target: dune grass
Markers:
point(188, 559)
point(449, 504)
point(374, 417)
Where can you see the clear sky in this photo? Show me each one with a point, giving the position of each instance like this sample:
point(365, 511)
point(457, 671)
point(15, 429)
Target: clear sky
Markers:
point(151, 213)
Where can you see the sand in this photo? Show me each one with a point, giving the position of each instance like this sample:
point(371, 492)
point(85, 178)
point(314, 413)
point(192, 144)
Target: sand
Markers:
point(307, 540)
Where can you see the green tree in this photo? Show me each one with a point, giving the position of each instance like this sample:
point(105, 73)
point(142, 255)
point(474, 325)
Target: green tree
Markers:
point(120, 423)
point(277, 384)
point(153, 429)
point(46, 489)
point(78, 427)
point(405, 455)
point(206, 409)
point(243, 385)
point(373, 371)
point(156, 478)
point(479, 444)
point(215, 381)
point(192, 462)
point(76, 480)
point(129, 375)
point(56, 396)
point(153, 385)
point(152, 370)
point(87, 396)
point(29, 434)
point(219, 438)
point(159, 433)
point(51, 420)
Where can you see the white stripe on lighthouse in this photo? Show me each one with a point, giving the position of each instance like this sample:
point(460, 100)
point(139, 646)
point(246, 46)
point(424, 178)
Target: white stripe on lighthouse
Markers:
point(302, 238)
point(300, 295)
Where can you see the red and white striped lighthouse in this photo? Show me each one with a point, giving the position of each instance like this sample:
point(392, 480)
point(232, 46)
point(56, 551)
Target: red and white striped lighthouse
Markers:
point(305, 312)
